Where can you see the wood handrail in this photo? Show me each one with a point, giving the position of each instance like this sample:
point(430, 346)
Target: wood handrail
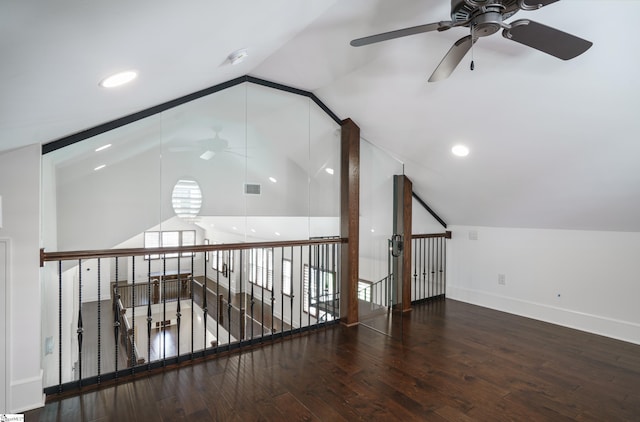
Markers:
point(112, 253)
point(446, 235)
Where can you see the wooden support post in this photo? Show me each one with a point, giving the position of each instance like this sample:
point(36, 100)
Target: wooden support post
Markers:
point(350, 221)
point(402, 191)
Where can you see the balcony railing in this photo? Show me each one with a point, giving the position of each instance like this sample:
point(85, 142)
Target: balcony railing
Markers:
point(428, 266)
point(116, 313)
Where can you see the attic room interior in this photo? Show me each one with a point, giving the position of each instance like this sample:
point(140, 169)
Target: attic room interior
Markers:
point(269, 221)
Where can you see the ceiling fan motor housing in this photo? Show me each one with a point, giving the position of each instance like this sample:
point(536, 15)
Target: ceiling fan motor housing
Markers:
point(485, 16)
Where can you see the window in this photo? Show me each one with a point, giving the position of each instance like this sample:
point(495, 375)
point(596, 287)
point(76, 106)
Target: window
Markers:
point(186, 199)
point(287, 288)
point(317, 292)
point(222, 261)
point(151, 240)
point(188, 239)
point(171, 240)
point(261, 268)
point(168, 239)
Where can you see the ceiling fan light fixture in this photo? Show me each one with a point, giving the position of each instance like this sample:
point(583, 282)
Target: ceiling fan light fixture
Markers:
point(207, 155)
point(460, 150)
point(118, 79)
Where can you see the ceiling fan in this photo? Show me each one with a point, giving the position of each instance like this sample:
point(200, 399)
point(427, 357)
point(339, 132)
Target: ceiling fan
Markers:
point(206, 148)
point(484, 18)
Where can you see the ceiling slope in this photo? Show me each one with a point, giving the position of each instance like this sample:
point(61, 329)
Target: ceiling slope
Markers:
point(553, 143)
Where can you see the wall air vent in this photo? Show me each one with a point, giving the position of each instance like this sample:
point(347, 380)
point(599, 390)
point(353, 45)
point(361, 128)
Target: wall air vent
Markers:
point(252, 189)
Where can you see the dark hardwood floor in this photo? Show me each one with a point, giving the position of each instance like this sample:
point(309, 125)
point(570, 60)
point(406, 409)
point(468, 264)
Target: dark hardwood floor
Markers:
point(456, 362)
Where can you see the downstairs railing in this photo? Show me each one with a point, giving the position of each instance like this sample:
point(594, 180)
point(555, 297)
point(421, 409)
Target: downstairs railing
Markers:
point(377, 293)
point(111, 314)
point(428, 265)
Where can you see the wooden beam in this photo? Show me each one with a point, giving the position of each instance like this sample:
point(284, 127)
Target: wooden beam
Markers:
point(349, 221)
point(406, 235)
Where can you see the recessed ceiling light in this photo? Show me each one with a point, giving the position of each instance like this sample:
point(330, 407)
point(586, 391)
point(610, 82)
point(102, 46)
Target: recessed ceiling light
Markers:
point(273, 180)
point(102, 148)
point(460, 150)
point(253, 230)
point(118, 79)
point(373, 230)
point(329, 170)
point(238, 56)
point(277, 234)
point(100, 167)
point(234, 228)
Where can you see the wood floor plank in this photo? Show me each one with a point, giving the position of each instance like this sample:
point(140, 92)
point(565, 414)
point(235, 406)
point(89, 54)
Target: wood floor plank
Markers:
point(452, 362)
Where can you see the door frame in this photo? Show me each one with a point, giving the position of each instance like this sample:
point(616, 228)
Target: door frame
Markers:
point(4, 343)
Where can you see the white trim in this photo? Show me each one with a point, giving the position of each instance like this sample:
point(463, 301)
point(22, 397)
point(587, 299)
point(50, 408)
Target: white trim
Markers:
point(596, 324)
point(7, 310)
point(28, 387)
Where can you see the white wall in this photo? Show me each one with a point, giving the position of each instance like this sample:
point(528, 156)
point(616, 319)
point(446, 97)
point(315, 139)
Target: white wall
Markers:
point(20, 191)
point(586, 280)
point(422, 222)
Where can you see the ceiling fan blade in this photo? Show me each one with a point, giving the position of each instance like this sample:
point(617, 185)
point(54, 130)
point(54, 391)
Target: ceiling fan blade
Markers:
point(546, 39)
point(452, 59)
point(436, 26)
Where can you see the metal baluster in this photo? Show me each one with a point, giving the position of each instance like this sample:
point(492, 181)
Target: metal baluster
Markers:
point(163, 323)
point(242, 320)
point(262, 296)
point(178, 313)
point(282, 290)
point(429, 267)
point(205, 311)
point(273, 298)
point(192, 294)
point(149, 318)
point(218, 297)
point(423, 261)
point(414, 290)
point(309, 287)
point(80, 330)
point(133, 316)
point(291, 292)
point(325, 264)
point(435, 264)
point(252, 279)
point(99, 321)
point(334, 248)
point(59, 326)
point(116, 318)
point(229, 304)
point(301, 279)
point(442, 252)
point(241, 282)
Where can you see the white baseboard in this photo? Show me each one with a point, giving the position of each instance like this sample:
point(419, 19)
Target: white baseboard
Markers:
point(609, 327)
point(26, 394)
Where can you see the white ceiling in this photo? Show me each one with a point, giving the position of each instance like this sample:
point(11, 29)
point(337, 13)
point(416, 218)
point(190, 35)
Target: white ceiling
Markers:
point(553, 144)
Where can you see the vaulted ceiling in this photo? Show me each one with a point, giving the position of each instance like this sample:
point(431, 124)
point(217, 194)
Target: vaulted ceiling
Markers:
point(554, 144)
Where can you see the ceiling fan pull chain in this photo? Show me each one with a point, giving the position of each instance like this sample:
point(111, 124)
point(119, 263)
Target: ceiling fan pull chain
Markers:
point(473, 39)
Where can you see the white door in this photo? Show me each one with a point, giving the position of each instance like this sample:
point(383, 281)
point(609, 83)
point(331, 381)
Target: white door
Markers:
point(4, 279)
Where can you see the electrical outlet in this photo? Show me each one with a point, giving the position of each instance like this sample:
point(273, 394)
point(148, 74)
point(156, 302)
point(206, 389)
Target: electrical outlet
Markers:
point(502, 280)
